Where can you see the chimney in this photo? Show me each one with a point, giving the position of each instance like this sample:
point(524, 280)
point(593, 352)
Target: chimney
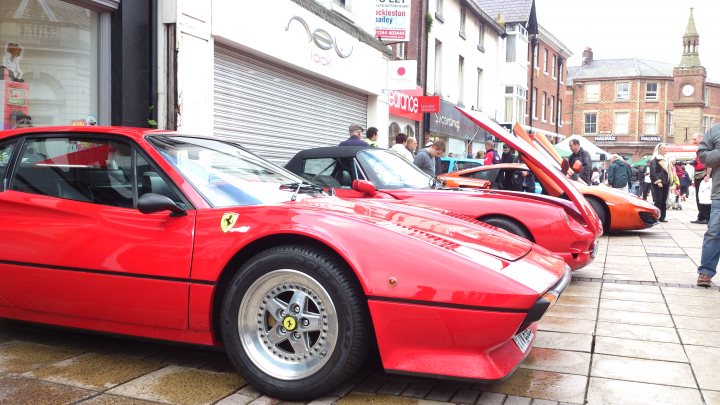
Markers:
point(587, 56)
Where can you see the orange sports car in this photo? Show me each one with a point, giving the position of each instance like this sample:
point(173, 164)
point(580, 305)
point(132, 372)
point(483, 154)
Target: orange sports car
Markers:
point(616, 209)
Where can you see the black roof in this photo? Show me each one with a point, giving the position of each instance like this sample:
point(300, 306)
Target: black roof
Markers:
point(295, 164)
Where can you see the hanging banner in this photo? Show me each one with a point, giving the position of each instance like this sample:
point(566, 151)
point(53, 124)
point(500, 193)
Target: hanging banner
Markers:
point(392, 20)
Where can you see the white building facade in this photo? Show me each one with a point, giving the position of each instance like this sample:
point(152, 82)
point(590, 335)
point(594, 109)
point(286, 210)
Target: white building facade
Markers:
point(278, 75)
point(465, 47)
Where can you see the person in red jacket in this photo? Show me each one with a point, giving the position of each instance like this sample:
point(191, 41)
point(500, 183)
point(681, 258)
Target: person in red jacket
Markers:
point(491, 155)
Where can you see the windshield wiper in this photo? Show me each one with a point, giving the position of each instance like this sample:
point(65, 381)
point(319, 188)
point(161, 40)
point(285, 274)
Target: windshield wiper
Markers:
point(301, 186)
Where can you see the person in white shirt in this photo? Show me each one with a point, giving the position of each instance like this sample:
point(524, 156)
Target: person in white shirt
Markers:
point(400, 146)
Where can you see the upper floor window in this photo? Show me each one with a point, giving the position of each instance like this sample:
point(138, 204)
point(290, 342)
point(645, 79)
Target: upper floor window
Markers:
point(438, 68)
point(534, 103)
point(551, 108)
point(545, 60)
point(554, 67)
point(481, 36)
point(669, 123)
point(559, 113)
point(463, 17)
point(461, 81)
point(707, 122)
point(651, 92)
point(592, 92)
point(536, 52)
point(510, 50)
point(706, 97)
point(621, 122)
point(650, 127)
point(590, 123)
point(622, 91)
point(439, 10)
point(400, 50)
point(543, 114)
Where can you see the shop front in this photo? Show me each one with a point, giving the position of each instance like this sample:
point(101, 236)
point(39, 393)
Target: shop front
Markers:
point(404, 113)
point(462, 136)
point(291, 79)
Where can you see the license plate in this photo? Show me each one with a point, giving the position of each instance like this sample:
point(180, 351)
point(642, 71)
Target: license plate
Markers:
point(595, 249)
point(523, 339)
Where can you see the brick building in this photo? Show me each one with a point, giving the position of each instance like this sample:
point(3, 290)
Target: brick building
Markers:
point(627, 106)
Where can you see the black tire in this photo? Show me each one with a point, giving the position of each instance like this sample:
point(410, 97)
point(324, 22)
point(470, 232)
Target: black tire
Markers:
point(320, 348)
point(508, 225)
point(599, 208)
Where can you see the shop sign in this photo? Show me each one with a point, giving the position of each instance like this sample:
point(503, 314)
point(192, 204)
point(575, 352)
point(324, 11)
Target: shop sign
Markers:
point(650, 138)
point(429, 104)
point(605, 138)
point(392, 20)
point(323, 40)
point(406, 103)
point(401, 74)
point(450, 122)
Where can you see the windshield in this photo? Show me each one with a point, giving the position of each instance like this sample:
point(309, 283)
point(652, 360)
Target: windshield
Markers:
point(388, 170)
point(227, 175)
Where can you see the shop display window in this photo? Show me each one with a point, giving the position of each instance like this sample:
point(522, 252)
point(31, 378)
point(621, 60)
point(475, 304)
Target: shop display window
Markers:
point(50, 64)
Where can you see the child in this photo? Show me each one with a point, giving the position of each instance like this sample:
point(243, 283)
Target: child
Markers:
point(704, 195)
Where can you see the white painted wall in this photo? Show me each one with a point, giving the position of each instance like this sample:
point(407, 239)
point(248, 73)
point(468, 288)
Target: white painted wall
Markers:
point(454, 46)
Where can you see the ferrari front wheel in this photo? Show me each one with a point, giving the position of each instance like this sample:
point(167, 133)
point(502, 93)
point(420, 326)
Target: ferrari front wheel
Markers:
point(294, 323)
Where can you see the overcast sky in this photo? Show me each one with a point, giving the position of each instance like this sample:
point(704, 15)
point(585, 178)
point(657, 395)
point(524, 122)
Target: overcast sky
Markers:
point(645, 29)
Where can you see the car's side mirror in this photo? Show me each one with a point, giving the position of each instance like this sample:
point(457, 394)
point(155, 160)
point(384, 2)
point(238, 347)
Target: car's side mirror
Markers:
point(150, 203)
point(364, 186)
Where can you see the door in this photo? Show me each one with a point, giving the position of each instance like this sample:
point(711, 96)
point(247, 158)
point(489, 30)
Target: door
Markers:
point(75, 245)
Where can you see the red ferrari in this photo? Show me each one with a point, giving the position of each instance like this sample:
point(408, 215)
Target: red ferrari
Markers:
point(196, 240)
point(363, 172)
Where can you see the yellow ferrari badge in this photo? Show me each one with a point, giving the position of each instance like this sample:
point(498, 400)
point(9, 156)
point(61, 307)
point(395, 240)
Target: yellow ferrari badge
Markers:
point(228, 221)
point(289, 323)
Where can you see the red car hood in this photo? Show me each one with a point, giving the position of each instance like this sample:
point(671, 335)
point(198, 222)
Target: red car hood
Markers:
point(436, 226)
point(533, 155)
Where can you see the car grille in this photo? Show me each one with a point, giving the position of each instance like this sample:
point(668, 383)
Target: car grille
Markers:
point(648, 218)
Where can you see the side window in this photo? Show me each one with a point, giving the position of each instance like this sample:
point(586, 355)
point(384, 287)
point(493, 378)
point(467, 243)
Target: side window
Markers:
point(483, 174)
point(324, 172)
point(96, 171)
point(445, 166)
point(5, 154)
point(465, 165)
point(149, 181)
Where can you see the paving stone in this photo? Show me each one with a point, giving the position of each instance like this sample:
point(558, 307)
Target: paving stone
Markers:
point(18, 357)
point(95, 371)
point(562, 361)
point(631, 288)
point(116, 400)
point(638, 332)
point(640, 370)
point(640, 348)
point(605, 391)
point(692, 322)
point(371, 384)
point(236, 399)
point(563, 341)
point(491, 398)
point(181, 385)
point(466, 396)
point(699, 337)
point(692, 311)
point(711, 397)
point(417, 390)
point(575, 301)
point(20, 390)
point(543, 402)
point(513, 400)
point(564, 311)
point(691, 292)
point(544, 385)
point(705, 362)
point(393, 387)
point(635, 318)
point(442, 392)
point(325, 401)
point(648, 307)
point(632, 296)
point(558, 324)
point(263, 400)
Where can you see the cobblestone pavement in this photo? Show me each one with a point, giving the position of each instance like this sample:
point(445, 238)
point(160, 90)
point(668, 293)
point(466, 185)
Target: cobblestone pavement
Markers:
point(631, 329)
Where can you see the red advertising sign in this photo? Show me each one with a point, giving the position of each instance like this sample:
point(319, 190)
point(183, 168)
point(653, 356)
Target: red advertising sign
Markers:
point(429, 104)
point(406, 103)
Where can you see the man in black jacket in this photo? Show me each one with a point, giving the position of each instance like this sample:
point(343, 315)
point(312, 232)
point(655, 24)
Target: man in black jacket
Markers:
point(579, 154)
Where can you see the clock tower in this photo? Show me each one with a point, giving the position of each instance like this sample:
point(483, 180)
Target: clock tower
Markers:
point(688, 87)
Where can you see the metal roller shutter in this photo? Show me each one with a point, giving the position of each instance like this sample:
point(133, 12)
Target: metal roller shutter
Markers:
point(274, 111)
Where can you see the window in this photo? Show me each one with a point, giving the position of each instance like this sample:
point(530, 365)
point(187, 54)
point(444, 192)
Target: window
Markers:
point(559, 114)
point(650, 123)
point(510, 51)
point(621, 122)
point(400, 50)
point(651, 92)
point(515, 104)
point(591, 123)
point(438, 68)
point(545, 61)
point(5, 154)
point(554, 68)
point(534, 103)
point(82, 169)
point(439, 10)
point(707, 122)
point(478, 95)
point(536, 51)
point(592, 92)
point(463, 16)
point(622, 91)
point(481, 36)
point(542, 107)
point(669, 123)
point(461, 81)
point(706, 97)
point(56, 60)
point(551, 108)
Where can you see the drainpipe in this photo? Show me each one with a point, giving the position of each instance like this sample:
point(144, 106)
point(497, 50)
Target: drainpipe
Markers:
point(533, 44)
point(557, 99)
point(153, 113)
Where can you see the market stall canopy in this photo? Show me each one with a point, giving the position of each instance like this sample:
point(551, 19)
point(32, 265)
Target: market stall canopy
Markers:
point(595, 152)
point(564, 152)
